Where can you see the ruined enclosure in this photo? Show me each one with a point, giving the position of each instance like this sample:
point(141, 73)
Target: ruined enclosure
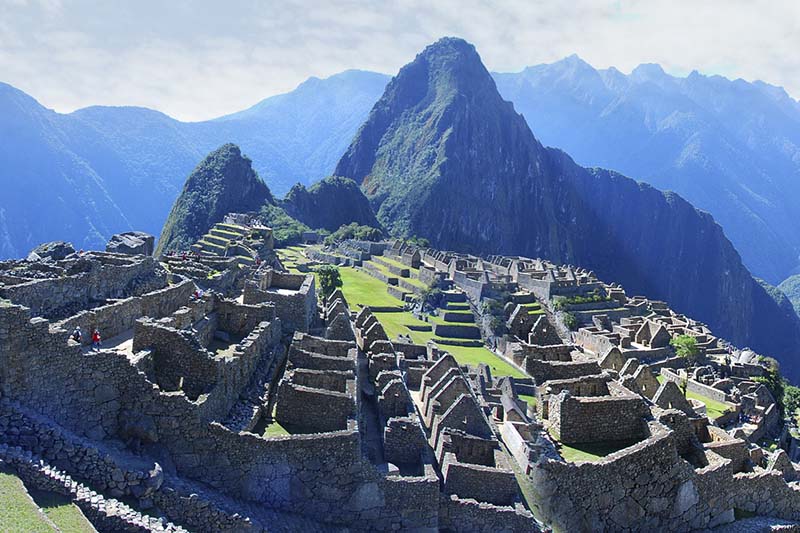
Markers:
point(280, 410)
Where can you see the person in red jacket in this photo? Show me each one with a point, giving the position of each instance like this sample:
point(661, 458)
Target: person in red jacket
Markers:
point(96, 339)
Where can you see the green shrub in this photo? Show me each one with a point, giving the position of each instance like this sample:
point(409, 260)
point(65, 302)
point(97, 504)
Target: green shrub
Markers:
point(354, 231)
point(329, 279)
point(570, 321)
point(685, 346)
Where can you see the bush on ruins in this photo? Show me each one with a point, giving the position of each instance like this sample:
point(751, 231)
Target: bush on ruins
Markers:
point(685, 346)
point(329, 279)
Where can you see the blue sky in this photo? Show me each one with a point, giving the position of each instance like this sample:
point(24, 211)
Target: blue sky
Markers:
point(197, 60)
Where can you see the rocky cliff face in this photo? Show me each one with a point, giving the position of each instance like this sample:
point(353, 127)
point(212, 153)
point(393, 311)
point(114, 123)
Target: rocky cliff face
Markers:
point(222, 183)
point(329, 204)
point(443, 156)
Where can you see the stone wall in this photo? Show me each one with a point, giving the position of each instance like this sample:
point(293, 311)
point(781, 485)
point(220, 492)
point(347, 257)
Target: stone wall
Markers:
point(696, 387)
point(596, 419)
point(542, 371)
point(456, 514)
point(96, 280)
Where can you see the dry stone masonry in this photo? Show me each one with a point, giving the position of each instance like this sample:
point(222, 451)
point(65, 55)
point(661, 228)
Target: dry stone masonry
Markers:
point(227, 395)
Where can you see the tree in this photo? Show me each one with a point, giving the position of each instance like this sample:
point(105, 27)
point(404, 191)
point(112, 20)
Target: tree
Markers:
point(791, 399)
point(329, 279)
point(570, 321)
point(685, 346)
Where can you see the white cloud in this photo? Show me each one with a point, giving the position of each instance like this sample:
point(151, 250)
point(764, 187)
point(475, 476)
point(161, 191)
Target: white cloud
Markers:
point(196, 60)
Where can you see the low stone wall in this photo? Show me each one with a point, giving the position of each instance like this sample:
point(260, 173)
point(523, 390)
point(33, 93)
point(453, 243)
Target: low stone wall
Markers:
point(118, 317)
point(102, 280)
point(542, 371)
point(696, 387)
point(396, 292)
point(303, 409)
point(482, 483)
point(458, 332)
point(596, 419)
point(456, 514)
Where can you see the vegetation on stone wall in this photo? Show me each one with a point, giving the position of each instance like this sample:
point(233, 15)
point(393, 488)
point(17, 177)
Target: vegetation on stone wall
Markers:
point(355, 231)
point(285, 230)
point(685, 346)
point(329, 279)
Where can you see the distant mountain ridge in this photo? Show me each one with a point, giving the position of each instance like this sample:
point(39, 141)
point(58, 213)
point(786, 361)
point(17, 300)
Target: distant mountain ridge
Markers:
point(443, 156)
point(84, 176)
point(730, 147)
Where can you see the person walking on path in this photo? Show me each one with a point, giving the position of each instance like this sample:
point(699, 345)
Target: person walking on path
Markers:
point(77, 336)
point(96, 341)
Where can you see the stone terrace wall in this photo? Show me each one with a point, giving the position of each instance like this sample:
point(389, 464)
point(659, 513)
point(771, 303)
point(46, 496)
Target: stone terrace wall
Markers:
point(646, 487)
point(456, 514)
point(118, 317)
point(595, 419)
point(63, 296)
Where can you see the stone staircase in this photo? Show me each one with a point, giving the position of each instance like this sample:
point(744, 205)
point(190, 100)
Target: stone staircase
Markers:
point(460, 328)
point(226, 240)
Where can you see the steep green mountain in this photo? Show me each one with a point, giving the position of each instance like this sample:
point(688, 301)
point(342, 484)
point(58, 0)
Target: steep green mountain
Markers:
point(222, 183)
point(83, 176)
point(730, 147)
point(329, 204)
point(443, 156)
point(791, 288)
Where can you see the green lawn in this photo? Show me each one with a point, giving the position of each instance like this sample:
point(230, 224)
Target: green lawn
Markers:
point(17, 511)
point(64, 514)
point(591, 451)
point(396, 263)
point(531, 400)
point(275, 430)
point(714, 409)
point(361, 288)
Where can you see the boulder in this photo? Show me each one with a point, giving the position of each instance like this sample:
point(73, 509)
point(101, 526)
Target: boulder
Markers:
point(131, 242)
point(55, 250)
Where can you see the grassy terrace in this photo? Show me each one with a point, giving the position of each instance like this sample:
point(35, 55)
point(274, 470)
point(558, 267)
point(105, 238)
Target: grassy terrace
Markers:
point(360, 288)
point(18, 512)
point(381, 268)
point(593, 451)
point(531, 400)
point(714, 408)
point(62, 512)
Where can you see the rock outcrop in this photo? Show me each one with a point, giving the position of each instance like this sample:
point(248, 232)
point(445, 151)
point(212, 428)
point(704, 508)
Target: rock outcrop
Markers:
point(329, 204)
point(131, 242)
point(443, 156)
point(55, 250)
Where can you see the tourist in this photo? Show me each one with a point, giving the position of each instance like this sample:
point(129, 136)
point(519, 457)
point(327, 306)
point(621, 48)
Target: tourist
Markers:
point(96, 341)
point(77, 335)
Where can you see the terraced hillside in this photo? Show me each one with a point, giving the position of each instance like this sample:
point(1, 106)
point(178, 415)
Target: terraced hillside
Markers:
point(36, 511)
point(368, 286)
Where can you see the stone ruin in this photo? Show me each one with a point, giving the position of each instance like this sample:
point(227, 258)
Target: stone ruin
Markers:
point(228, 395)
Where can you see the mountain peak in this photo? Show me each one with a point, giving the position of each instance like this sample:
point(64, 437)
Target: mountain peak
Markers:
point(648, 72)
point(222, 183)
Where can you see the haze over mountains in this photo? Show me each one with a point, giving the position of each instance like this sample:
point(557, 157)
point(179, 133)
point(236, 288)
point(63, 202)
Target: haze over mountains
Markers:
point(85, 175)
point(441, 155)
point(730, 147)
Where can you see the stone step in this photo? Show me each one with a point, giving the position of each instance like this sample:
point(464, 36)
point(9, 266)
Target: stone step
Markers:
point(464, 318)
point(456, 331)
point(454, 296)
